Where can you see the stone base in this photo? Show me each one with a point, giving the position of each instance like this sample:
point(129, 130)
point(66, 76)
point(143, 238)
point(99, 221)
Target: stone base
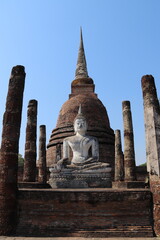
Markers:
point(83, 213)
point(80, 180)
point(33, 185)
point(129, 185)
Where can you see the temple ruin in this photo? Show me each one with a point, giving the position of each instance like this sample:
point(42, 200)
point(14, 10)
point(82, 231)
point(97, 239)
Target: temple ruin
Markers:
point(120, 200)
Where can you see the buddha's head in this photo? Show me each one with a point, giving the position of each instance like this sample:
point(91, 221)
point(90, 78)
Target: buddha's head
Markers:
point(80, 123)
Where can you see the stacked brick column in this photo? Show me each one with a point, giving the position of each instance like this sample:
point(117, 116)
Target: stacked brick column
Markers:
point(29, 174)
point(9, 151)
point(119, 160)
point(129, 155)
point(152, 124)
point(152, 130)
point(42, 174)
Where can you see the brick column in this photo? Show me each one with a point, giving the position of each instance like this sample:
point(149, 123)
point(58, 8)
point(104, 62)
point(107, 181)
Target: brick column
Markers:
point(9, 151)
point(119, 160)
point(129, 155)
point(152, 131)
point(152, 124)
point(29, 173)
point(42, 174)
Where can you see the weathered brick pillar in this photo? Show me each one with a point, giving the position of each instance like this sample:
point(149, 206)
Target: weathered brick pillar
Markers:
point(152, 131)
point(152, 124)
point(42, 172)
point(29, 172)
point(9, 151)
point(129, 155)
point(119, 160)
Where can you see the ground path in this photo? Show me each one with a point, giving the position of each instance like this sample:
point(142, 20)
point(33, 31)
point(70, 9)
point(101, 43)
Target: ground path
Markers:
point(72, 238)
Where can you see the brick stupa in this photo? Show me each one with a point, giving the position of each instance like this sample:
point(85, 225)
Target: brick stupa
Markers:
point(82, 92)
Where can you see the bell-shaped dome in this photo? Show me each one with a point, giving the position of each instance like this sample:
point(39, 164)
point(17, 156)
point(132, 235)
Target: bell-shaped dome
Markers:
point(93, 109)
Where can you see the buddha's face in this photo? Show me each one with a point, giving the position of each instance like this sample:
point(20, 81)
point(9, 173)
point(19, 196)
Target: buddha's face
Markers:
point(80, 125)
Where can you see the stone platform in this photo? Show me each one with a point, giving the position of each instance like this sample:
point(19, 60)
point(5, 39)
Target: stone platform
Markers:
point(130, 184)
point(33, 185)
point(80, 180)
point(90, 213)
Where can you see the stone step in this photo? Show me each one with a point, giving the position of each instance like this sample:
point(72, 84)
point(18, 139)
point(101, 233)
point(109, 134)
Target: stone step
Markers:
point(118, 231)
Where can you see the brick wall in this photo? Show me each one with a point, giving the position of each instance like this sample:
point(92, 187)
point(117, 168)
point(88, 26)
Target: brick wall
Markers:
point(93, 213)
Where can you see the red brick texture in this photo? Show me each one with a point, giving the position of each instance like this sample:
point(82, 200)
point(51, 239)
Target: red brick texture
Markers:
point(29, 174)
point(85, 213)
point(98, 126)
point(42, 171)
point(129, 154)
point(9, 151)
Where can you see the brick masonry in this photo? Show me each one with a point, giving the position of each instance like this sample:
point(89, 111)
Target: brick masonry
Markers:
point(152, 124)
point(152, 130)
point(29, 173)
point(85, 213)
point(155, 189)
point(42, 171)
point(119, 158)
point(129, 154)
point(9, 150)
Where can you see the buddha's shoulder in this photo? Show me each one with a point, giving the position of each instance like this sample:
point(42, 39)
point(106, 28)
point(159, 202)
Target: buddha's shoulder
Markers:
point(91, 138)
point(68, 139)
point(75, 138)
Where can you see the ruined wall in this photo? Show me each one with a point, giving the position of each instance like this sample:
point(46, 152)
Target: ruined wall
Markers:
point(85, 213)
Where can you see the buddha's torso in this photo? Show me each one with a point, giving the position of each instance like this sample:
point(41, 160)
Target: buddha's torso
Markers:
point(80, 146)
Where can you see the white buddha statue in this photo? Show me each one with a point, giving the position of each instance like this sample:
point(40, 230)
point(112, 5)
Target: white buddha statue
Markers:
point(80, 144)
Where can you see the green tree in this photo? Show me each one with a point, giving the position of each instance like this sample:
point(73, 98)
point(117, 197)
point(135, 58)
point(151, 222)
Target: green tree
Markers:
point(20, 160)
point(143, 164)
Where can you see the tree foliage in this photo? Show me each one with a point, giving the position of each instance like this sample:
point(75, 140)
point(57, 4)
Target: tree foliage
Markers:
point(20, 160)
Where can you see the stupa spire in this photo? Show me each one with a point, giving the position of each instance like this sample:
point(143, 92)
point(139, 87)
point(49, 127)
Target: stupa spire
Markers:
point(81, 68)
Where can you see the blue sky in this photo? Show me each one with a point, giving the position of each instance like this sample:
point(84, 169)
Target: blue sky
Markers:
point(121, 40)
